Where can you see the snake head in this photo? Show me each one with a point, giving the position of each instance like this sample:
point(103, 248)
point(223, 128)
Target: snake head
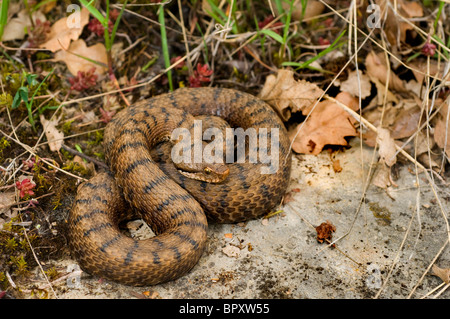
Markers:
point(205, 172)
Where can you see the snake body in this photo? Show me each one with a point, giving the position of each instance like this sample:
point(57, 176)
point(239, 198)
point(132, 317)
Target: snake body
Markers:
point(173, 205)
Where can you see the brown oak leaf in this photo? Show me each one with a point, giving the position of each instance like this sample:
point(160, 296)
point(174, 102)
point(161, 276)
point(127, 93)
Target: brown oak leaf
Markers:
point(63, 31)
point(288, 95)
point(443, 273)
point(328, 124)
point(377, 69)
point(325, 231)
point(77, 50)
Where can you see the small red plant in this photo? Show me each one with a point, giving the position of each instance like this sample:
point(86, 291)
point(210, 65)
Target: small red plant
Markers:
point(267, 20)
point(39, 33)
point(96, 27)
point(429, 49)
point(201, 75)
point(175, 59)
point(25, 187)
point(323, 41)
point(106, 115)
point(83, 80)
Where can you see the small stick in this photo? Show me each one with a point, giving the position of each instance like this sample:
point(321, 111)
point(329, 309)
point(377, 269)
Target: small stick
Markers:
point(88, 158)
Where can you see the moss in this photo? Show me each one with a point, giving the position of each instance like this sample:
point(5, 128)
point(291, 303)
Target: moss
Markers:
point(67, 127)
point(52, 273)
point(76, 168)
point(96, 138)
point(4, 144)
point(15, 253)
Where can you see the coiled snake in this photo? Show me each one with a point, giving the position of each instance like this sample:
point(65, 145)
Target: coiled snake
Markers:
point(172, 204)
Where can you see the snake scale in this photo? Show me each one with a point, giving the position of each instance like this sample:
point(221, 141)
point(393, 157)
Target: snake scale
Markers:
point(177, 208)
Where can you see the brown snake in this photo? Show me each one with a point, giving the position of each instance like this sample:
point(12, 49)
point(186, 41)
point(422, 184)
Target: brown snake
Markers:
point(139, 187)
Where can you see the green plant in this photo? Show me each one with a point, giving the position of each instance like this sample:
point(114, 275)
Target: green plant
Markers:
point(221, 16)
point(28, 82)
point(330, 48)
point(164, 44)
point(104, 20)
point(3, 16)
point(20, 263)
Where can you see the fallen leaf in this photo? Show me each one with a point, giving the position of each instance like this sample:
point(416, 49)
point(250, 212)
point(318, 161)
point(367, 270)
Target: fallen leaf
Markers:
point(382, 177)
point(424, 143)
point(89, 166)
point(7, 199)
point(54, 136)
point(394, 27)
point(231, 251)
point(328, 124)
point(63, 32)
point(16, 28)
point(421, 67)
point(386, 146)
point(351, 85)
point(74, 63)
point(313, 9)
point(337, 166)
point(383, 96)
point(406, 123)
point(376, 66)
point(443, 273)
point(228, 235)
point(288, 95)
point(89, 117)
point(325, 231)
point(442, 134)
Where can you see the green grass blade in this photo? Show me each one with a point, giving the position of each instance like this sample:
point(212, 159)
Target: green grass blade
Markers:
point(223, 17)
point(165, 46)
point(3, 16)
point(273, 35)
point(333, 46)
point(88, 5)
point(116, 24)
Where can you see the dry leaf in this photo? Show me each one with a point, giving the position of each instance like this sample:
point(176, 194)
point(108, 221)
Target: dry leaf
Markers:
point(395, 27)
point(89, 117)
point(89, 166)
point(443, 273)
point(313, 9)
point(337, 166)
point(442, 134)
point(54, 136)
point(383, 96)
point(16, 28)
point(351, 84)
point(327, 124)
point(406, 123)
point(420, 68)
point(231, 251)
point(377, 68)
point(386, 146)
point(382, 178)
point(423, 143)
point(62, 32)
point(74, 63)
point(325, 231)
point(287, 95)
point(7, 199)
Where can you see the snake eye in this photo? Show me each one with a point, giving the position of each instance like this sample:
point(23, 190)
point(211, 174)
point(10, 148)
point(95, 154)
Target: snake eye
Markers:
point(207, 170)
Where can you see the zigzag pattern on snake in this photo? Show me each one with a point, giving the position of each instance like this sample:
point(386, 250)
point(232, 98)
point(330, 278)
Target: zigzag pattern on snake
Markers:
point(174, 206)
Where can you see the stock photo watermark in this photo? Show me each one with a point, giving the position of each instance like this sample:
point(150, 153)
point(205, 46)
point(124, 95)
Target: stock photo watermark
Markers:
point(213, 152)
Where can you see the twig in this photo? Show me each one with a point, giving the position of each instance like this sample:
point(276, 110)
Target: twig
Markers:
point(86, 157)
